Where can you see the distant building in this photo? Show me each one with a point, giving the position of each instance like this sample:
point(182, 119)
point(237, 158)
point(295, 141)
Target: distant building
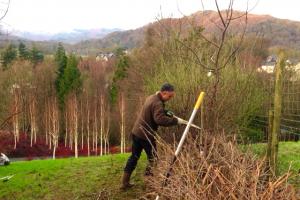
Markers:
point(294, 72)
point(269, 65)
point(292, 66)
point(104, 56)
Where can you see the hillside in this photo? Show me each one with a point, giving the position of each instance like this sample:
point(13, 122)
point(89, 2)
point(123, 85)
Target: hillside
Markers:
point(83, 178)
point(278, 32)
point(70, 37)
point(98, 177)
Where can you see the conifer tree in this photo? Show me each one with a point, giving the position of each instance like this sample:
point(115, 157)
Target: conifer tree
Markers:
point(23, 52)
point(36, 56)
point(61, 63)
point(8, 56)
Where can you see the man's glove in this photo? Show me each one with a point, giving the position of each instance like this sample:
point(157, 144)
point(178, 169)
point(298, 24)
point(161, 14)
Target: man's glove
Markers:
point(169, 113)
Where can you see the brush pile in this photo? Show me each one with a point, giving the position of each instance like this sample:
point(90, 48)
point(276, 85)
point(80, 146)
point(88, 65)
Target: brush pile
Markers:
point(215, 168)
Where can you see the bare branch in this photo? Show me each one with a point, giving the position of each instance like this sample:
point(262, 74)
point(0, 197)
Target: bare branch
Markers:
point(194, 53)
point(220, 14)
point(240, 42)
point(9, 118)
point(5, 11)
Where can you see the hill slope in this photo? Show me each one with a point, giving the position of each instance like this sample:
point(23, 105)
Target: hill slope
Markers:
point(99, 177)
point(82, 179)
point(279, 32)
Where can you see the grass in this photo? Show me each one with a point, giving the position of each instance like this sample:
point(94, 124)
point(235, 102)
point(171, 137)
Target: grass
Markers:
point(82, 178)
point(288, 155)
point(89, 177)
point(288, 158)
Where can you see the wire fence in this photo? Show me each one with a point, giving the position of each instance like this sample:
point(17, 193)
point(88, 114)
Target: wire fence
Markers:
point(290, 114)
point(290, 118)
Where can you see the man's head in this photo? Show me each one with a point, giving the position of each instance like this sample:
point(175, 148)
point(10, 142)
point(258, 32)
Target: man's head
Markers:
point(167, 91)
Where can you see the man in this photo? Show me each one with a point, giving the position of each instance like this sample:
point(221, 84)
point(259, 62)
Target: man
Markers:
point(151, 116)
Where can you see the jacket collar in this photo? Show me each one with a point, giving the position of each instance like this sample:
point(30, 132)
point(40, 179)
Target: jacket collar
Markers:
point(159, 96)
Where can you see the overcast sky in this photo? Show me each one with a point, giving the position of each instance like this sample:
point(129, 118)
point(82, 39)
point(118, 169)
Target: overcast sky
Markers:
point(65, 15)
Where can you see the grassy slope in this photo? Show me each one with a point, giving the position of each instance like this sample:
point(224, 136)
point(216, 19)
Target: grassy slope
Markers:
point(288, 158)
point(86, 178)
point(83, 178)
point(289, 155)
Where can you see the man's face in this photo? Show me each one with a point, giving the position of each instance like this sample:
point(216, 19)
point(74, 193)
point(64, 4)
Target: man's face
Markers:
point(166, 95)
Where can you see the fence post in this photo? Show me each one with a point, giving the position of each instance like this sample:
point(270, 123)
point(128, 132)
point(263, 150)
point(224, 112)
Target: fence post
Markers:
point(277, 112)
point(269, 147)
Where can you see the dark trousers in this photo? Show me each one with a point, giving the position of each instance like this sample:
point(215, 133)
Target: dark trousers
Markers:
point(138, 145)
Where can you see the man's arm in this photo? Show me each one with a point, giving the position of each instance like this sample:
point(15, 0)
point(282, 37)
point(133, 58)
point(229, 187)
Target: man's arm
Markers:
point(160, 116)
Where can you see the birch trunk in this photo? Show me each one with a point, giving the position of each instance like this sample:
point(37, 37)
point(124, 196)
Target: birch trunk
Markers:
point(88, 125)
point(101, 123)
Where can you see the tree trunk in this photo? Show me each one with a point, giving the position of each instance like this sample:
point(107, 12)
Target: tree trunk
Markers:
point(88, 125)
point(75, 117)
point(101, 123)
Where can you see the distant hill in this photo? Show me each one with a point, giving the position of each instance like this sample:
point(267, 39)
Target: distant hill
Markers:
point(71, 37)
point(48, 42)
point(47, 47)
point(128, 39)
point(278, 32)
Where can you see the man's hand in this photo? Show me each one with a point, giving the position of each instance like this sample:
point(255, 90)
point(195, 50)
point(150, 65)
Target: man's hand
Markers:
point(169, 113)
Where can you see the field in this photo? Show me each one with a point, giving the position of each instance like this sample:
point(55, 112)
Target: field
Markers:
point(99, 177)
point(82, 178)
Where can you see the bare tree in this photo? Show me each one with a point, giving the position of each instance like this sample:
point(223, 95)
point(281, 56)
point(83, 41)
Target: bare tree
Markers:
point(101, 123)
point(88, 123)
point(15, 109)
point(106, 131)
point(75, 123)
point(46, 121)
point(54, 123)
point(82, 122)
point(122, 122)
point(212, 50)
point(95, 130)
point(67, 126)
point(32, 117)
point(4, 9)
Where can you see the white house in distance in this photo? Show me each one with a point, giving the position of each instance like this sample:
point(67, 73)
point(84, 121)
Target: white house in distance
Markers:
point(269, 65)
point(295, 69)
point(103, 56)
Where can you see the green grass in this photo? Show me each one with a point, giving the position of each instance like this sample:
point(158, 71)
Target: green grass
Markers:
point(288, 158)
point(82, 178)
point(86, 178)
point(288, 155)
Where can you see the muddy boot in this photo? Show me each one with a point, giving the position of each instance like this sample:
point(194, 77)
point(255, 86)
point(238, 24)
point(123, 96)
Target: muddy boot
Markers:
point(125, 181)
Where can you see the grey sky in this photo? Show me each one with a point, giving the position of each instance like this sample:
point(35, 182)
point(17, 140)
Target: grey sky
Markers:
point(65, 15)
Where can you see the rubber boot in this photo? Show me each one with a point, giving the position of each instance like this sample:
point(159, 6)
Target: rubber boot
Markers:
point(125, 181)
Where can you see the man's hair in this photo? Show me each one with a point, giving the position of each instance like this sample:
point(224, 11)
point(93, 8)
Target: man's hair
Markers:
point(167, 87)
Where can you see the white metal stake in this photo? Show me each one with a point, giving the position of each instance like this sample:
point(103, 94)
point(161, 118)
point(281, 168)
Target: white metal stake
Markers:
point(196, 108)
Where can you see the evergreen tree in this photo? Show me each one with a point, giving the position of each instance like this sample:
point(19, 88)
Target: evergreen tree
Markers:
point(8, 56)
point(72, 80)
point(61, 63)
point(119, 74)
point(36, 56)
point(23, 52)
